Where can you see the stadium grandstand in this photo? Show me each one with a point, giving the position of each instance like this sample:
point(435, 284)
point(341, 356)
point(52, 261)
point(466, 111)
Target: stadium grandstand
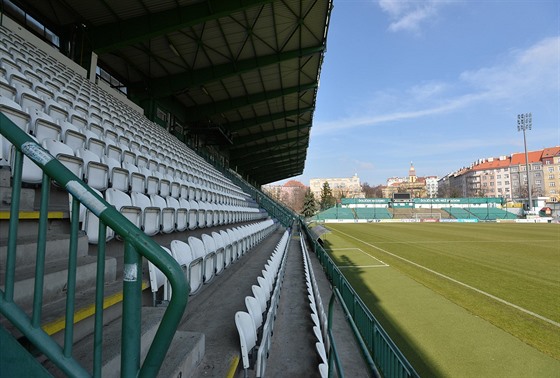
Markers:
point(419, 209)
point(134, 238)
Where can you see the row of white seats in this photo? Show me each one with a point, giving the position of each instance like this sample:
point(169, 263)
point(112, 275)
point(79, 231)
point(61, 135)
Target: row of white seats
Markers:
point(203, 259)
point(318, 315)
point(250, 324)
point(29, 90)
point(112, 165)
point(154, 214)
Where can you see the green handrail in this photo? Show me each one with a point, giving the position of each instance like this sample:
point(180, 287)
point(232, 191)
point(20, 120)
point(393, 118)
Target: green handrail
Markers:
point(137, 245)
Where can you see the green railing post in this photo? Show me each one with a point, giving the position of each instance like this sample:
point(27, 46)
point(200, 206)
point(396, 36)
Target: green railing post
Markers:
point(13, 228)
point(131, 316)
point(99, 295)
point(41, 251)
point(71, 282)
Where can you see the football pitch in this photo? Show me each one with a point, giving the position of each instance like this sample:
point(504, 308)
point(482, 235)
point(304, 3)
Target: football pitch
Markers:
point(460, 300)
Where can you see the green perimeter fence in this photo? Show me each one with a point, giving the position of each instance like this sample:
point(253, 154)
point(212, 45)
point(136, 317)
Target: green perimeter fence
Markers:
point(386, 355)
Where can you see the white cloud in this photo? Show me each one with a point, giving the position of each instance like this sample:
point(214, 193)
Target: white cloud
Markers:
point(533, 71)
point(408, 15)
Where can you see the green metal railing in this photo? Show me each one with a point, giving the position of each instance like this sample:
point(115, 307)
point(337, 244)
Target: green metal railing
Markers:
point(388, 359)
point(136, 246)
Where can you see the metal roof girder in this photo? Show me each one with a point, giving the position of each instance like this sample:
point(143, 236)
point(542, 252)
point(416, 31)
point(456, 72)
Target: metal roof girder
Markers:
point(169, 85)
point(267, 134)
point(246, 124)
point(109, 37)
point(196, 113)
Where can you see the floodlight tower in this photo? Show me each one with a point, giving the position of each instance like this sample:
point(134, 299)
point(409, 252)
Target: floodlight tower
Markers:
point(525, 122)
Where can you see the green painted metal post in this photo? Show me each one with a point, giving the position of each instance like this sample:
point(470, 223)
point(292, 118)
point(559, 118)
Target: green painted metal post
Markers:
point(131, 317)
point(13, 228)
point(99, 295)
point(71, 282)
point(41, 251)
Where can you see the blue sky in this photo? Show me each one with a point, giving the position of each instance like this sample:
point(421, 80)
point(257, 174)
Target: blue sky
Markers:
point(436, 83)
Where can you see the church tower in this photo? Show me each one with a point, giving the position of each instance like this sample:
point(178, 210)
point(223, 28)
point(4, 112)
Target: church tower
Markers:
point(412, 174)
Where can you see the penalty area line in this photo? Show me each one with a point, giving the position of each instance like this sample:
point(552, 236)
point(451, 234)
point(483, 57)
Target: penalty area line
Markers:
point(498, 299)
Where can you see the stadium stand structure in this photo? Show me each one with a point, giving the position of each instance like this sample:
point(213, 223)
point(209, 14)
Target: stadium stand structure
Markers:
point(372, 213)
point(110, 216)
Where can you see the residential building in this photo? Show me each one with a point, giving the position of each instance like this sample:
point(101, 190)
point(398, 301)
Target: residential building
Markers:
point(341, 187)
point(418, 187)
point(506, 176)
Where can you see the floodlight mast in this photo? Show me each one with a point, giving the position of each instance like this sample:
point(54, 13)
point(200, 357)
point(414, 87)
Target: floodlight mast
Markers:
point(525, 122)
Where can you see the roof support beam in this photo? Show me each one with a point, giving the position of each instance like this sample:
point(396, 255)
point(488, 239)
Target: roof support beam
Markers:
point(265, 178)
point(246, 124)
point(203, 111)
point(169, 85)
point(109, 37)
point(267, 134)
point(292, 149)
point(250, 163)
point(236, 151)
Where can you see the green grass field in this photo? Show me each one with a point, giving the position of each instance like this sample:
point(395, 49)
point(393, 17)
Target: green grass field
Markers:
point(460, 299)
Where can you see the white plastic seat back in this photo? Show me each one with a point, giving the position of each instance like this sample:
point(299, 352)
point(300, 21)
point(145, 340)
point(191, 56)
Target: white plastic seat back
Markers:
point(65, 155)
point(220, 252)
point(158, 279)
point(150, 214)
point(198, 254)
point(209, 258)
point(193, 214)
point(181, 222)
point(247, 335)
point(192, 267)
point(90, 225)
point(254, 309)
point(118, 176)
point(95, 173)
point(167, 218)
point(259, 294)
point(227, 248)
point(136, 180)
point(123, 203)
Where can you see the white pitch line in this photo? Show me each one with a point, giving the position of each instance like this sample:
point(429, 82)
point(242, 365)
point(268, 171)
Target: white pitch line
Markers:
point(365, 253)
point(362, 266)
point(534, 314)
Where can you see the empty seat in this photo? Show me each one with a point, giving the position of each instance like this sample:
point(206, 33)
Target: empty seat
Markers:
point(191, 265)
point(158, 280)
point(65, 155)
point(95, 173)
point(254, 309)
point(181, 213)
point(220, 252)
point(247, 336)
point(167, 217)
point(150, 213)
point(118, 176)
point(198, 249)
point(90, 223)
point(227, 248)
point(123, 203)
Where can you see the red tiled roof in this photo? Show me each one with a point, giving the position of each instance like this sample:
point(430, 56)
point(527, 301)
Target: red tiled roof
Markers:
point(551, 152)
point(519, 158)
point(496, 163)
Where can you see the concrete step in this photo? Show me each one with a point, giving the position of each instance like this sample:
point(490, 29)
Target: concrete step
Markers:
point(186, 351)
point(57, 248)
point(55, 278)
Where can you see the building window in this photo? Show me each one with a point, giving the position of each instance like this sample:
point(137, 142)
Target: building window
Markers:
point(552, 184)
point(499, 176)
point(551, 177)
point(491, 184)
point(551, 169)
point(507, 183)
